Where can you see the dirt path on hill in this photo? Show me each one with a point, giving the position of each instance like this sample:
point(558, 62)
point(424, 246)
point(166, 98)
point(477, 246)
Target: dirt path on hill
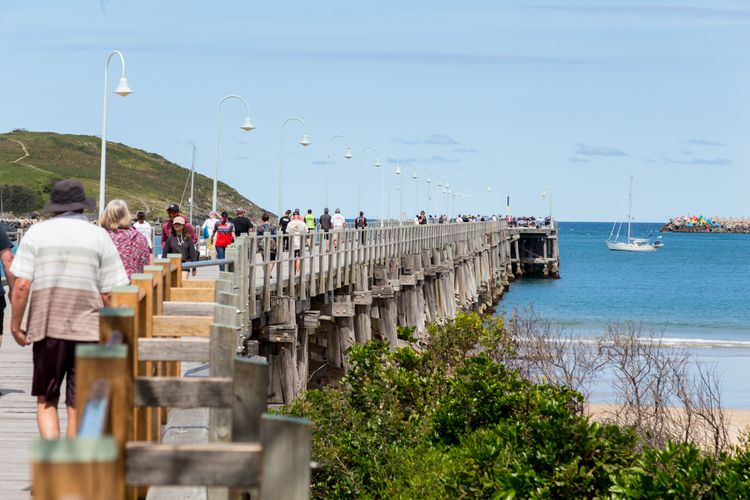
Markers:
point(25, 151)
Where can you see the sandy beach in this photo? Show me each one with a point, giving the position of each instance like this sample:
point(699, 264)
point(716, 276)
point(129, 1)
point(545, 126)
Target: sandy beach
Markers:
point(739, 419)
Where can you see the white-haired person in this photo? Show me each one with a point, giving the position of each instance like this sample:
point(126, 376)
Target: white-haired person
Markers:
point(132, 246)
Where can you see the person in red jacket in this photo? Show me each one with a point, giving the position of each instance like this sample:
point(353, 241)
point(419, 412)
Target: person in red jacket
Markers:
point(173, 211)
point(222, 237)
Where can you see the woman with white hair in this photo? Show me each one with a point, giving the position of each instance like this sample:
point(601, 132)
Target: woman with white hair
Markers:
point(207, 230)
point(131, 245)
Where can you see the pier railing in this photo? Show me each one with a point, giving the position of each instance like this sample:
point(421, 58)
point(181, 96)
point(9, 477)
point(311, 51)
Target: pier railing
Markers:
point(158, 322)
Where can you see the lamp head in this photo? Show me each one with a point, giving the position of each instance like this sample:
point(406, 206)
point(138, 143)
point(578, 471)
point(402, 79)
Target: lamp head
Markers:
point(429, 180)
point(447, 186)
point(248, 125)
point(348, 155)
point(377, 164)
point(414, 175)
point(305, 141)
point(489, 189)
point(398, 170)
point(123, 88)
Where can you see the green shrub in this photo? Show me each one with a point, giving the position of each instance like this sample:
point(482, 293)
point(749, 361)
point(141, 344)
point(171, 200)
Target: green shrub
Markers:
point(453, 422)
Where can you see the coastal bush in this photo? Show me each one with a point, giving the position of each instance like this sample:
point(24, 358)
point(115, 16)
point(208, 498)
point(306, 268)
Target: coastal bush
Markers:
point(452, 421)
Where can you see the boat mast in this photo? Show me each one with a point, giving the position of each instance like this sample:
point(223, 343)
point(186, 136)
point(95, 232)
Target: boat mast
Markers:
point(630, 206)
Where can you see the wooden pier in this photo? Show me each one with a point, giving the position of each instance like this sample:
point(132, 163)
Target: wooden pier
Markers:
point(294, 329)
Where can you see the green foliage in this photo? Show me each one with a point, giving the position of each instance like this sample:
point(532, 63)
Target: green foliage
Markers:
point(406, 333)
point(146, 181)
point(453, 422)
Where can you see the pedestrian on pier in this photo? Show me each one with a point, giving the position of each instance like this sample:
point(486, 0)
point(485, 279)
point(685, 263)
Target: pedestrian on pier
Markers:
point(266, 227)
point(131, 245)
point(283, 223)
point(207, 229)
point(310, 223)
point(325, 226)
point(339, 223)
point(242, 225)
point(179, 242)
point(144, 228)
point(223, 236)
point(71, 266)
point(297, 230)
point(361, 223)
point(6, 257)
point(173, 211)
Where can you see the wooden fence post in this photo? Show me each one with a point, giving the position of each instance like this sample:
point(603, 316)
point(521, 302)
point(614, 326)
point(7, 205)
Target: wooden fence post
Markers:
point(286, 457)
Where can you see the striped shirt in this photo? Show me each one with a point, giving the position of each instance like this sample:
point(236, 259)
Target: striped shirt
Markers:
point(70, 263)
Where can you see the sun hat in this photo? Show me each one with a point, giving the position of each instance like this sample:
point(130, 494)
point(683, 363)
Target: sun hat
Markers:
point(179, 220)
point(68, 195)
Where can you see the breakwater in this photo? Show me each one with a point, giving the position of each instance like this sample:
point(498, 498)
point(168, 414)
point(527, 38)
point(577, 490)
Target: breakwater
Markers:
point(700, 224)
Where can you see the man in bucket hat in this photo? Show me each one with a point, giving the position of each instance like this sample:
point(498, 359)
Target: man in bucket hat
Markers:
point(69, 267)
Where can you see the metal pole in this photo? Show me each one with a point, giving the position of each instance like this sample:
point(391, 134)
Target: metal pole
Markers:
point(192, 186)
point(328, 163)
point(281, 159)
point(245, 127)
point(103, 160)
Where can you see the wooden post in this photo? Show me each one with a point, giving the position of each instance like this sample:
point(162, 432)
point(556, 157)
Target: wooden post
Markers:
point(278, 344)
point(85, 468)
point(286, 457)
point(109, 363)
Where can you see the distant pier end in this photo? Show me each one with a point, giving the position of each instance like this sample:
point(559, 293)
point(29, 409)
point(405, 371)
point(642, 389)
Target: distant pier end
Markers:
point(534, 251)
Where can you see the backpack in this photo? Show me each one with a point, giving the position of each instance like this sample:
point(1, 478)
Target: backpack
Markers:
point(262, 228)
point(360, 222)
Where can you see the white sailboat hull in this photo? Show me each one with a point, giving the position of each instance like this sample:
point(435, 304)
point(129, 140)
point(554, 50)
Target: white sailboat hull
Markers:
point(630, 247)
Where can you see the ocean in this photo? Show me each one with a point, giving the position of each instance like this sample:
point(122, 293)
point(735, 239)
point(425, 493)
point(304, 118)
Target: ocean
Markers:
point(694, 290)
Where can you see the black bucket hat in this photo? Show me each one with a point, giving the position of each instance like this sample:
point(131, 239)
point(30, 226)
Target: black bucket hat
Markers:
point(68, 195)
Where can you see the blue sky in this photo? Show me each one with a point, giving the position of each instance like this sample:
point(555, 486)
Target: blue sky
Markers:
point(572, 96)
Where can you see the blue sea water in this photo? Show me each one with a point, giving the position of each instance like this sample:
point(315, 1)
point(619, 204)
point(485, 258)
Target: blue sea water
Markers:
point(695, 291)
point(697, 287)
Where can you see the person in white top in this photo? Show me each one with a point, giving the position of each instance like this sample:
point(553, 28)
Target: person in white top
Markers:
point(207, 229)
point(144, 228)
point(339, 223)
point(297, 229)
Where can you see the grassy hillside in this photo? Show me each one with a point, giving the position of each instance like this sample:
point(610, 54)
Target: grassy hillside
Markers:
point(30, 163)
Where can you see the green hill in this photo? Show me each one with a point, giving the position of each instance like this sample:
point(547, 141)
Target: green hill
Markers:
point(31, 162)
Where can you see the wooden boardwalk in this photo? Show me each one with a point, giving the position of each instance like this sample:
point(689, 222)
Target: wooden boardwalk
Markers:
point(18, 411)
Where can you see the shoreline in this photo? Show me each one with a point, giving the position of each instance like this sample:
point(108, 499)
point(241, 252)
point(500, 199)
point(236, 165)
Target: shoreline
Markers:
point(738, 419)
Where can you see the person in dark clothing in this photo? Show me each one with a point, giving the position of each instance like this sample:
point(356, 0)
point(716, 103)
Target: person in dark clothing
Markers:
point(283, 223)
point(179, 241)
point(361, 223)
point(326, 225)
point(242, 225)
point(6, 257)
point(266, 227)
point(173, 211)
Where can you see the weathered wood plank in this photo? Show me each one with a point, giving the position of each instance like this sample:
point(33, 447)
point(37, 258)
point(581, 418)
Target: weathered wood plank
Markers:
point(198, 283)
point(181, 349)
point(286, 457)
point(234, 465)
point(192, 294)
point(209, 392)
point(178, 326)
point(188, 309)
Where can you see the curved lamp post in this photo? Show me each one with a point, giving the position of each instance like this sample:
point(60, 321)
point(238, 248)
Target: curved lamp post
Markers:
point(401, 194)
point(348, 155)
point(123, 89)
point(443, 188)
point(247, 126)
point(416, 182)
point(375, 164)
point(304, 143)
point(398, 188)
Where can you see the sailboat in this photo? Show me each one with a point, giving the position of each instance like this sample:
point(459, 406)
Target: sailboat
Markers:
point(631, 244)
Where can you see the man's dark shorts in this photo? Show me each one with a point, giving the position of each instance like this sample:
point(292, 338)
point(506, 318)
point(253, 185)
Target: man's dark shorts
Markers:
point(54, 360)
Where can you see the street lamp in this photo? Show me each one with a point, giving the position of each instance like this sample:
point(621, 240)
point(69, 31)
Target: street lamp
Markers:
point(547, 194)
point(247, 126)
point(398, 188)
point(401, 194)
point(123, 89)
point(304, 143)
point(375, 164)
point(348, 155)
point(428, 180)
